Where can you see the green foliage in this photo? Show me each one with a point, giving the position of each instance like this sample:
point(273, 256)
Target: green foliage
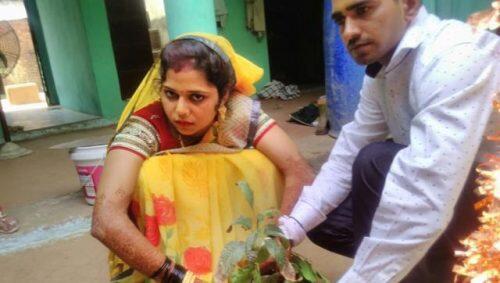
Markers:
point(276, 251)
point(244, 222)
point(242, 262)
point(243, 274)
point(232, 253)
point(247, 192)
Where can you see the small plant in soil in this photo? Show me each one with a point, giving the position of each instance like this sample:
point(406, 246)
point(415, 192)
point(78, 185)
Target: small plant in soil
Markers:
point(265, 256)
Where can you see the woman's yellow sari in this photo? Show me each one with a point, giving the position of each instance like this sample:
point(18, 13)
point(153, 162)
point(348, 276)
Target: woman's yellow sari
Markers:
point(184, 202)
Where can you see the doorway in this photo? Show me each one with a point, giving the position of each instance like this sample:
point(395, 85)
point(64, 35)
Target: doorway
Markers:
point(129, 29)
point(295, 41)
point(21, 74)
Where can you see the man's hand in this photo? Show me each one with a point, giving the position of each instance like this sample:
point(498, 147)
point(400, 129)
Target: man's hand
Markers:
point(292, 229)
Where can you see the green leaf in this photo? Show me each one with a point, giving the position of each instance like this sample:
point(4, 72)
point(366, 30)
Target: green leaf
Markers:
point(273, 230)
point(242, 275)
point(256, 276)
point(276, 251)
point(254, 241)
point(306, 270)
point(232, 253)
point(270, 213)
point(244, 222)
point(267, 214)
point(246, 191)
point(284, 242)
point(262, 255)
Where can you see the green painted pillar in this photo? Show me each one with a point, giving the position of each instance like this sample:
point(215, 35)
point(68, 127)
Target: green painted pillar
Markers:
point(102, 58)
point(190, 16)
point(456, 9)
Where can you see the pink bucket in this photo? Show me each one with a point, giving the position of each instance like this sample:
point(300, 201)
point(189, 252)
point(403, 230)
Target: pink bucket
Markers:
point(89, 161)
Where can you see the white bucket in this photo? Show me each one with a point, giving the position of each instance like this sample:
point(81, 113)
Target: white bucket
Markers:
point(89, 161)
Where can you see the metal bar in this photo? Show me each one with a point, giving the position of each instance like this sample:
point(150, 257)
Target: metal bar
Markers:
point(3, 120)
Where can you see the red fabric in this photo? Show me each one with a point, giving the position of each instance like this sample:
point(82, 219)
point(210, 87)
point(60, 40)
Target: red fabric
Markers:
point(127, 149)
point(151, 230)
point(257, 139)
point(198, 260)
point(164, 210)
point(154, 114)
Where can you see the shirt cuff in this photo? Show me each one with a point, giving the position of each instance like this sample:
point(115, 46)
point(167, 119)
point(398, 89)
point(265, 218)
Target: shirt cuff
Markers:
point(292, 229)
point(308, 216)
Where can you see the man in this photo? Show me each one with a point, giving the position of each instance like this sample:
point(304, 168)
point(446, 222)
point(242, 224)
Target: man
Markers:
point(429, 86)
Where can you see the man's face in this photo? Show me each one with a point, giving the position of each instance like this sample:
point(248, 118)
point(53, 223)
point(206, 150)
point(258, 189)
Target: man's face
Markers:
point(372, 29)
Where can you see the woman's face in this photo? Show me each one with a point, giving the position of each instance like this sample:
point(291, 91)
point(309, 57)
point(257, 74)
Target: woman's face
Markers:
point(189, 101)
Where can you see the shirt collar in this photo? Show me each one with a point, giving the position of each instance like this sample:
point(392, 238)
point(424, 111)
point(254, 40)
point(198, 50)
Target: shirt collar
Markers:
point(373, 69)
point(413, 37)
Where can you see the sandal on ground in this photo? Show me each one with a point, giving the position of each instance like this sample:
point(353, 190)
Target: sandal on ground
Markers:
point(8, 224)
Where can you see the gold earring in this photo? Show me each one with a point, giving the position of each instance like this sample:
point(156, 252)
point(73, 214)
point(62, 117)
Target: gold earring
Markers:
point(222, 113)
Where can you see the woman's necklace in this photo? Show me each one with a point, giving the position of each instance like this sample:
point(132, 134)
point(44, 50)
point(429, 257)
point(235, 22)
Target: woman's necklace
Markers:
point(184, 140)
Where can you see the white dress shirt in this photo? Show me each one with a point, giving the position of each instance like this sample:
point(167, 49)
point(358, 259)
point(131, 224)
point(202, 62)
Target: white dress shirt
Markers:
point(435, 96)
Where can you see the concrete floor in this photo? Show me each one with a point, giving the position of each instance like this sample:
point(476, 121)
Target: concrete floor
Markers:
point(43, 118)
point(38, 115)
point(54, 245)
point(46, 173)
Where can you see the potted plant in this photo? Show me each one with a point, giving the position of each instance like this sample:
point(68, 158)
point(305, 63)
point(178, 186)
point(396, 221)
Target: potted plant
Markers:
point(265, 255)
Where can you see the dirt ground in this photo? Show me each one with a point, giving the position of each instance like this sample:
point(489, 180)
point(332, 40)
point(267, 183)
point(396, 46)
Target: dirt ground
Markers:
point(43, 191)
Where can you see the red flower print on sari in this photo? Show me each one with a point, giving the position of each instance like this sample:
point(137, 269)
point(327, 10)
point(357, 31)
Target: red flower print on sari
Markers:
point(198, 260)
point(164, 210)
point(151, 230)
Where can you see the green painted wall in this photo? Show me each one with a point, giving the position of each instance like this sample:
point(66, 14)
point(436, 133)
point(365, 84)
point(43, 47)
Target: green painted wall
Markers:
point(457, 9)
point(190, 15)
point(39, 41)
point(70, 61)
point(102, 58)
point(244, 41)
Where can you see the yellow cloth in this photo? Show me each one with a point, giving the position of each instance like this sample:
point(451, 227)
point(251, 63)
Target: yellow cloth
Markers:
point(184, 203)
point(246, 72)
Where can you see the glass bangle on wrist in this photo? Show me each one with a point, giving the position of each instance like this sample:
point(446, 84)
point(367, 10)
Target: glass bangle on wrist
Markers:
point(175, 275)
point(164, 267)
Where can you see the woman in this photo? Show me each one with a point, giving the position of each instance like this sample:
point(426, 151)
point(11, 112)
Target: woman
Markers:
point(183, 202)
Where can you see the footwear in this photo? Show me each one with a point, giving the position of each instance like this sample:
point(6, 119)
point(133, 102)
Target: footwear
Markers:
point(8, 224)
point(323, 125)
point(306, 115)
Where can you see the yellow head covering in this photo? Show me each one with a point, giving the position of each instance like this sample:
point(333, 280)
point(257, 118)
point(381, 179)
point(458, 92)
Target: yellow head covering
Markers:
point(246, 74)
